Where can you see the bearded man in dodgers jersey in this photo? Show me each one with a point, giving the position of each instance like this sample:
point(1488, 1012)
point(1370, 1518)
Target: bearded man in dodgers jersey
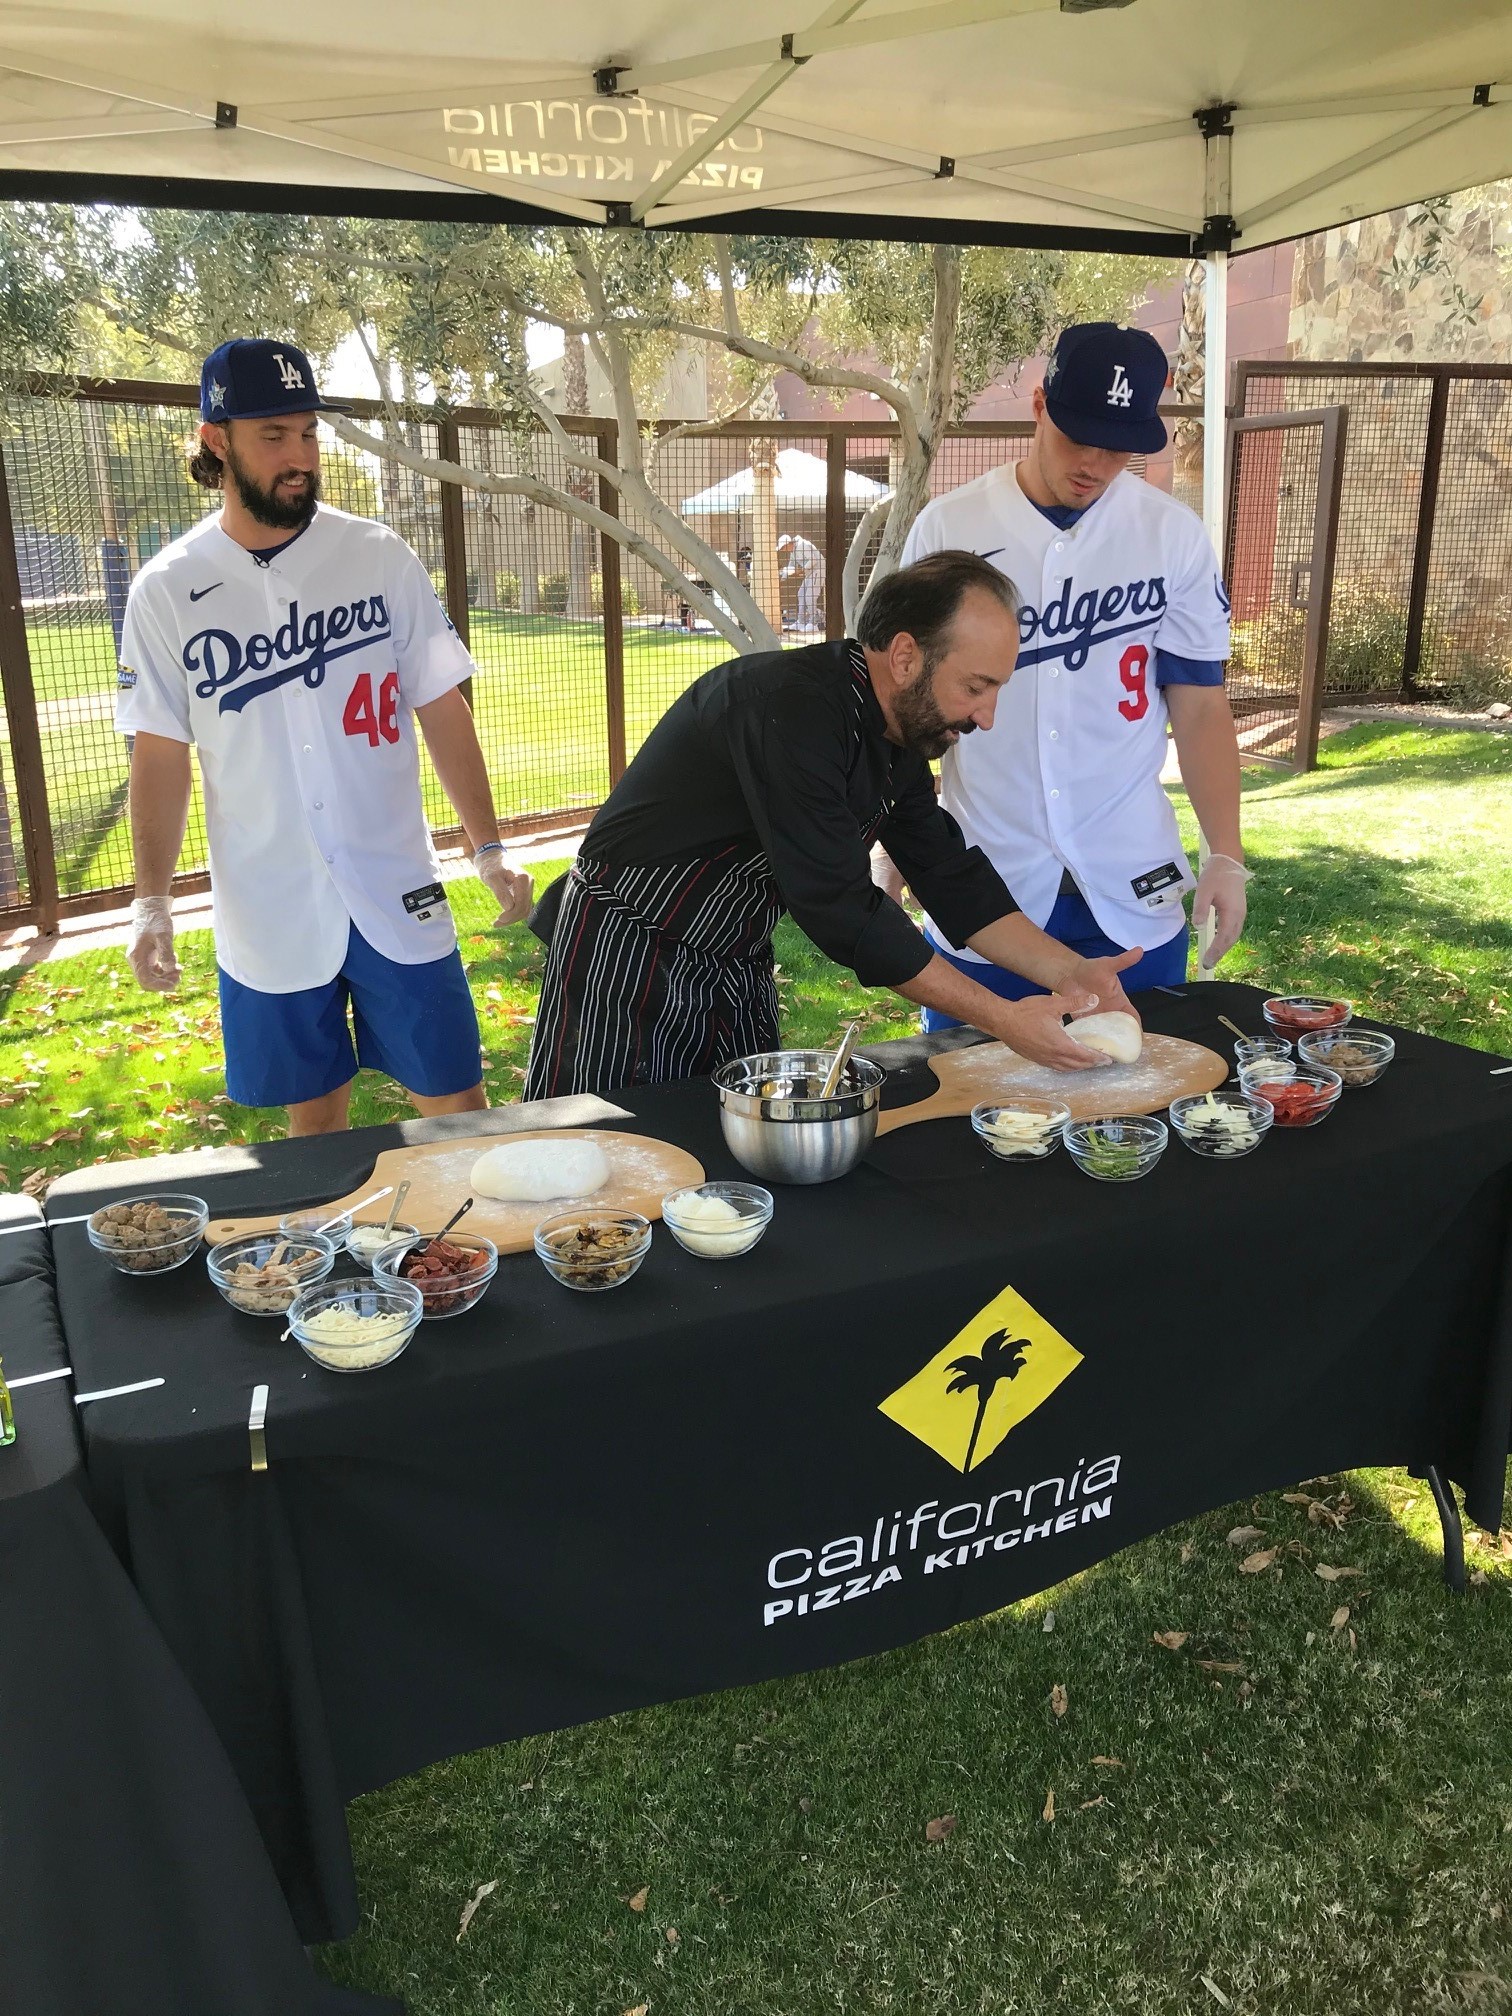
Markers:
point(1123, 627)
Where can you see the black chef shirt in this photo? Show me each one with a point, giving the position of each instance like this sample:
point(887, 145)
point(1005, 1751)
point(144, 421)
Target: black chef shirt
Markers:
point(788, 752)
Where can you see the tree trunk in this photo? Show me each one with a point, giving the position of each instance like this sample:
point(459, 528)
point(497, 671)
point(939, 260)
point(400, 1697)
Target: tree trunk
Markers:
point(1188, 381)
point(581, 542)
point(530, 569)
point(765, 566)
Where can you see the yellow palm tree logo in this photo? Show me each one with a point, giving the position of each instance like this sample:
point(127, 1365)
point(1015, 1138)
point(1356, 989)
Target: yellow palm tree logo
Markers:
point(1007, 1355)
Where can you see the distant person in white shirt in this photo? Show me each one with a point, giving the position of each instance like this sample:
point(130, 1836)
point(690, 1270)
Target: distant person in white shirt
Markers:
point(806, 562)
point(296, 647)
point(1124, 626)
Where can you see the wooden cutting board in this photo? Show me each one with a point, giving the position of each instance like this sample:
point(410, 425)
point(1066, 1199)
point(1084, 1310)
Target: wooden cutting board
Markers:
point(1167, 1069)
point(641, 1173)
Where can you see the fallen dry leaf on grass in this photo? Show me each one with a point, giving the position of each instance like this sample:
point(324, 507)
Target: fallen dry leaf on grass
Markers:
point(640, 2009)
point(1479, 1579)
point(638, 1901)
point(1098, 1801)
point(673, 1935)
point(1241, 1536)
point(1256, 1564)
point(470, 1907)
point(1340, 1617)
point(1188, 1552)
point(1171, 1640)
point(941, 1829)
point(1109, 1763)
point(1058, 1700)
point(1220, 1665)
point(1326, 1572)
point(1049, 1812)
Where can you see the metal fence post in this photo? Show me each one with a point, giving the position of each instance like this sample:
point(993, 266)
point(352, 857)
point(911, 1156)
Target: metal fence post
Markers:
point(834, 532)
point(614, 610)
point(454, 538)
point(1422, 550)
point(1325, 546)
point(25, 735)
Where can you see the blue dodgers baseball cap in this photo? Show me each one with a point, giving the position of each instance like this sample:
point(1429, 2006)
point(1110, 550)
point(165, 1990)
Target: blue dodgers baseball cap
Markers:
point(254, 377)
point(1103, 387)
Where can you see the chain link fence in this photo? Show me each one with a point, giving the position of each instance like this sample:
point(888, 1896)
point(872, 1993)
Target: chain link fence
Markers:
point(580, 643)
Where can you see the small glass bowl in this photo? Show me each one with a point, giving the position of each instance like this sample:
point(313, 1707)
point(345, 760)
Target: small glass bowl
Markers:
point(720, 1241)
point(1118, 1150)
point(443, 1295)
point(394, 1309)
point(1027, 1143)
point(330, 1225)
point(1261, 1050)
point(362, 1251)
point(1192, 1118)
point(1295, 1015)
point(1360, 1056)
point(1301, 1095)
point(132, 1248)
point(556, 1237)
point(302, 1261)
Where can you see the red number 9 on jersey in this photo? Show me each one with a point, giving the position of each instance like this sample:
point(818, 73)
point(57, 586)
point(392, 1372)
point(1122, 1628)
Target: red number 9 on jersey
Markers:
point(359, 716)
point(1132, 668)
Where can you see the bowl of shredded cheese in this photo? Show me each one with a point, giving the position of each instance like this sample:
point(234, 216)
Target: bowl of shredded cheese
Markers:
point(1026, 1130)
point(355, 1326)
point(718, 1221)
point(1222, 1124)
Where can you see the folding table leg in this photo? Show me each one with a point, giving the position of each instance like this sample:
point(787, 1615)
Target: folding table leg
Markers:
point(1449, 1519)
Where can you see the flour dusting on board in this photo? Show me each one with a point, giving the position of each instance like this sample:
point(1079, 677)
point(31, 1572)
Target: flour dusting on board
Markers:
point(1168, 1068)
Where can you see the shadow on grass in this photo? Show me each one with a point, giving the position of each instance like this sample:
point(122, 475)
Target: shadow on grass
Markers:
point(1362, 757)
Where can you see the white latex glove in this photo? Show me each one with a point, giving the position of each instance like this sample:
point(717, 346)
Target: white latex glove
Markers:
point(149, 949)
point(1221, 890)
point(514, 891)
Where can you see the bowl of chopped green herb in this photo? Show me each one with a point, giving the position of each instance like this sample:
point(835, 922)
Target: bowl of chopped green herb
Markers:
point(1117, 1150)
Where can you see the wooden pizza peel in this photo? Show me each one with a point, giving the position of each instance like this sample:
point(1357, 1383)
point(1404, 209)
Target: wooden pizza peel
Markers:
point(1168, 1069)
point(641, 1173)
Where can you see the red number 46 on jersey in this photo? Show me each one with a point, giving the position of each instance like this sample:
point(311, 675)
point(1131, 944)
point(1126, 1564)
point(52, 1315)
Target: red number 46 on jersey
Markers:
point(360, 716)
point(1132, 668)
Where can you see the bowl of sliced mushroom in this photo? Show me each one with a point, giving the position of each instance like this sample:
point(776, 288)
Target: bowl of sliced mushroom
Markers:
point(260, 1273)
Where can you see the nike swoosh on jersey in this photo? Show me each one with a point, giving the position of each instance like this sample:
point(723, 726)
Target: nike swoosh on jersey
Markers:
point(195, 594)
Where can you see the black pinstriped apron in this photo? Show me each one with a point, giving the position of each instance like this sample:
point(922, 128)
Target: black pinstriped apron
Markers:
point(662, 970)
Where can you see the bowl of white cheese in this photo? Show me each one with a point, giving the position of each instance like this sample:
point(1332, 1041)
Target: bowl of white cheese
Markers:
point(1025, 1130)
point(718, 1221)
point(355, 1326)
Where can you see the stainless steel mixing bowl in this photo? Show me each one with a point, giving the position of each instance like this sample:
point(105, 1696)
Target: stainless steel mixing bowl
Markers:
point(776, 1126)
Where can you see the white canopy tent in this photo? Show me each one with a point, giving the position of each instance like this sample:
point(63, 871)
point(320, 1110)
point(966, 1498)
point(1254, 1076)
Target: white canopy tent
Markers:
point(801, 479)
point(1176, 126)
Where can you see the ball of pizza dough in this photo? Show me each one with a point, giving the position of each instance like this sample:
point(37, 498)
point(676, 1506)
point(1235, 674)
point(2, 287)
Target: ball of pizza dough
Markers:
point(531, 1172)
point(1115, 1033)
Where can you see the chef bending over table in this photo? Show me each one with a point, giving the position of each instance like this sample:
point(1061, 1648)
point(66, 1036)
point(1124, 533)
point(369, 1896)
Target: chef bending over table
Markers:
point(761, 790)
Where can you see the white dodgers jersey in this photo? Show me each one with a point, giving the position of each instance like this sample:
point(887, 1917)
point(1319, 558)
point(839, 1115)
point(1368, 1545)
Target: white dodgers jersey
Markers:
point(298, 679)
point(1068, 777)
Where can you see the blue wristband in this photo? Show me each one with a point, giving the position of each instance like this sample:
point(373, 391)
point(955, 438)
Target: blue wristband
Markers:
point(490, 847)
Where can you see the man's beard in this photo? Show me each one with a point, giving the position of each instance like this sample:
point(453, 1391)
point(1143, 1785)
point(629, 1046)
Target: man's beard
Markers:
point(920, 722)
point(266, 506)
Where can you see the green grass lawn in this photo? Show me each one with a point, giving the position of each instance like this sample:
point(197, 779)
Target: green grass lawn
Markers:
point(1319, 1824)
point(540, 700)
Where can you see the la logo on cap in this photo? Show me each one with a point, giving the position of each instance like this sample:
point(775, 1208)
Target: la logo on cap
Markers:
point(1120, 392)
point(292, 376)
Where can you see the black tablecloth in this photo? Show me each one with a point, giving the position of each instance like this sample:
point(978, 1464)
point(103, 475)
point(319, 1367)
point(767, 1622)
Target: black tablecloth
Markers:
point(560, 1506)
point(132, 1879)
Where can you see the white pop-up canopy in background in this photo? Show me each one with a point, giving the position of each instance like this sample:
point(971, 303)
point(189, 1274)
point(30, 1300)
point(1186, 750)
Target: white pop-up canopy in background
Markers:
point(1174, 126)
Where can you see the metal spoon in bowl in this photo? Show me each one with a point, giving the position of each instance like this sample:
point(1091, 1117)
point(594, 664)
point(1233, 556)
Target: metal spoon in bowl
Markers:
point(424, 1245)
point(842, 1057)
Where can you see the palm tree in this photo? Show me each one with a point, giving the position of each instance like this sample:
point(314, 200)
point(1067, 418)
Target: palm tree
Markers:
point(986, 1369)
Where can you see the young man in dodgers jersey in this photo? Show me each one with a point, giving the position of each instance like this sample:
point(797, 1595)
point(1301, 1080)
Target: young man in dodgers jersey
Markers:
point(1123, 626)
point(296, 647)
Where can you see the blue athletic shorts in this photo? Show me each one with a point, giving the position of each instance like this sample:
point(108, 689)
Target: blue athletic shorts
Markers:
point(415, 1023)
point(1073, 924)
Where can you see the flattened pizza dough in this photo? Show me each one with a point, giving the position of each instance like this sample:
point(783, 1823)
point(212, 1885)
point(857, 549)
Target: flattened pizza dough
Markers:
point(531, 1172)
